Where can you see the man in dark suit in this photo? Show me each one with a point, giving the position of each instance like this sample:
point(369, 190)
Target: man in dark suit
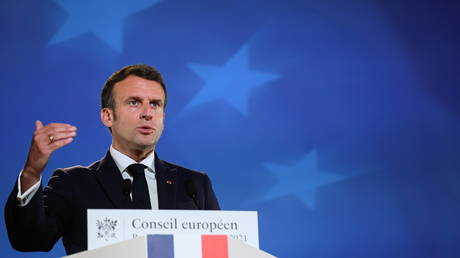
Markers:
point(130, 175)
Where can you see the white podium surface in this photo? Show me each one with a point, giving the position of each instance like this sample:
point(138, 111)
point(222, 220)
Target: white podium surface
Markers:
point(107, 227)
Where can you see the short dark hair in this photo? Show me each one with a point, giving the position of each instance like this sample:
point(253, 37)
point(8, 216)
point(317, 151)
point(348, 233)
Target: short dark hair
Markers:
point(141, 70)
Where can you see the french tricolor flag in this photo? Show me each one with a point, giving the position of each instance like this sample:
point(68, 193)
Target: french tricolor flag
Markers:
point(188, 246)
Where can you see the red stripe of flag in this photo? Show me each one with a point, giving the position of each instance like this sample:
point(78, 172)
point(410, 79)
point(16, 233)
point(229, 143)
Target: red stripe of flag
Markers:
point(214, 246)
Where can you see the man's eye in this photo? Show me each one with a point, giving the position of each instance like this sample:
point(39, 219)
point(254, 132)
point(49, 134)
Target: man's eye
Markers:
point(155, 104)
point(132, 102)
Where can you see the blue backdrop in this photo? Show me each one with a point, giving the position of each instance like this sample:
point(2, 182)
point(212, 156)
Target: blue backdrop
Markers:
point(338, 121)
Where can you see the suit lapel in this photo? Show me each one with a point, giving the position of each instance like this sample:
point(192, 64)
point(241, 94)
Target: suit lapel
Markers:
point(166, 184)
point(111, 181)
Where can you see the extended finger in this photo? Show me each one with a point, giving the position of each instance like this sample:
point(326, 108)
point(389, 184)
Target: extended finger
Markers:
point(59, 125)
point(62, 135)
point(44, 137)
point(56, 127)
point(47, 134)
point(53, 134)
point(60, 143)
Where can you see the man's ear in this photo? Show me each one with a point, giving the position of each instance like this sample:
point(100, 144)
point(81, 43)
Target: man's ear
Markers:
point(107, 117)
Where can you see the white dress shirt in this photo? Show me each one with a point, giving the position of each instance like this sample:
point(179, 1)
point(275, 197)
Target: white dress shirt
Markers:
point(122, 161)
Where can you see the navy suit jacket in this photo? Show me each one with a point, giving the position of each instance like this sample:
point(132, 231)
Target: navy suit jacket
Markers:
point(60, 210)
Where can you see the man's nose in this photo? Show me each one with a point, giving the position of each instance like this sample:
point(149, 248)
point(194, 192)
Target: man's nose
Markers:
point(146, 112)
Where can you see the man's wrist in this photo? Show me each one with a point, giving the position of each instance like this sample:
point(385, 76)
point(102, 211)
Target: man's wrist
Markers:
point(28, 179)
point(29, 174)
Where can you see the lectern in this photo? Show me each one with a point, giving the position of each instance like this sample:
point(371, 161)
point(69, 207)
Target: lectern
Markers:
point(172, 234)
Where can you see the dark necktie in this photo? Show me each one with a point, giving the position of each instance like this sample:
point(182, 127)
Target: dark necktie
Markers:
point(141, 199)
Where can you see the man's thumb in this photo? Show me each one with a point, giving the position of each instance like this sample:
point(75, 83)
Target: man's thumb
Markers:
point(38, 125)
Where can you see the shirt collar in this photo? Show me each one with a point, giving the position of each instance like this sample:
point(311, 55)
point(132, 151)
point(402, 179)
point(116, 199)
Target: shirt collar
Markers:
point(123, 161)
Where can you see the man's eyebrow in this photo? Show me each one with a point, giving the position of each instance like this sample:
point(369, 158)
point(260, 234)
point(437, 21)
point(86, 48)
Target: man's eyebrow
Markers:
point(140, 99)
point(134, 97)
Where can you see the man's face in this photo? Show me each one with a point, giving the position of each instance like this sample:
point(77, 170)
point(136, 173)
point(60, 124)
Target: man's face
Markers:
point(137, 119)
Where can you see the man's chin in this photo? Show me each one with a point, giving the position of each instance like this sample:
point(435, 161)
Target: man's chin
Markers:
point(146, 144)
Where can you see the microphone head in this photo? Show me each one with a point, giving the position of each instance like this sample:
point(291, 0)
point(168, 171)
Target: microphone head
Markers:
point(190, 188)
point(126, 186)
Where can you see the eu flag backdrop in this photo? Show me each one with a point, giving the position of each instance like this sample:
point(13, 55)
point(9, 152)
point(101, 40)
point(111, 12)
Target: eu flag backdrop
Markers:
point(338, 121)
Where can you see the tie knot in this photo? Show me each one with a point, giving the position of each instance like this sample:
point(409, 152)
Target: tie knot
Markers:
point(136, 169)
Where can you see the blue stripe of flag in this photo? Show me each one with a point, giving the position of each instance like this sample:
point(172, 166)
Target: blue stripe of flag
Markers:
point(160, 246)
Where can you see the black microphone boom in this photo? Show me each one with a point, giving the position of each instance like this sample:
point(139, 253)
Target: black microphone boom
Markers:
point(191, 192)
point(126, 187)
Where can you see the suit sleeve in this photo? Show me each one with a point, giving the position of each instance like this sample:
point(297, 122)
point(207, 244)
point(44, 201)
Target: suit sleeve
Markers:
point(38, 225)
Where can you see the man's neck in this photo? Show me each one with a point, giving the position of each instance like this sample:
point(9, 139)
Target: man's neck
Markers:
point(137, 155)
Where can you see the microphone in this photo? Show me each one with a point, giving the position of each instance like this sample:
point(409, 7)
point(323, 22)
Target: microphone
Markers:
point(191, 192)
point(126, 187)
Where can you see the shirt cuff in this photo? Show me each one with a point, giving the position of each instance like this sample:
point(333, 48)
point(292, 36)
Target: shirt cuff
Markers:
point(23, 199)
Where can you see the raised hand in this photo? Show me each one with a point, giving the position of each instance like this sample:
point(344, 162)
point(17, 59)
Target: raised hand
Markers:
point(46, 140)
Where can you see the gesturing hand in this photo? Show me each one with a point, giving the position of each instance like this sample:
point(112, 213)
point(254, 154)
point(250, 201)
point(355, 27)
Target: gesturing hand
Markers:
point(46, 140)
